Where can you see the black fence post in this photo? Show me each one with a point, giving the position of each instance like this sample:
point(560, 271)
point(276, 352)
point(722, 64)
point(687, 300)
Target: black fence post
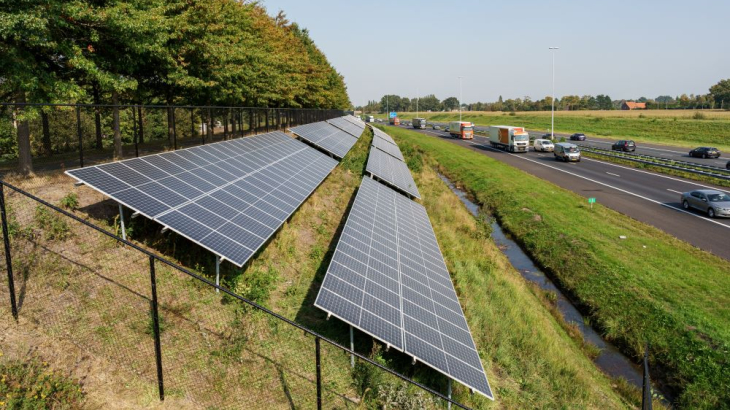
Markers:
point(8, 259)
point(267, 119)
point(174, 130)
point(319, 373)
point(134, 129)
point(141, 125)
point(81, 141)
point(646, 402)
point(156, 325)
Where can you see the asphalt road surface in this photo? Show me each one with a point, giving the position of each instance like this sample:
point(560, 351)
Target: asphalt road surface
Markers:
point(645, 196)
point(656, 150)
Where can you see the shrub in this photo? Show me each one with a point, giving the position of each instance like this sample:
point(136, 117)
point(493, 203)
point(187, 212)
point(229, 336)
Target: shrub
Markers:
point(53, 226)
point(698, 116)
point(70, 201)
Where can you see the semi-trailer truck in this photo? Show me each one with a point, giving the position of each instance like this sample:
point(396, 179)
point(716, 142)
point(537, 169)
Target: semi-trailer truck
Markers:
point(461, 129)
point(419, 123)
point(395, 121)
point(508, 138)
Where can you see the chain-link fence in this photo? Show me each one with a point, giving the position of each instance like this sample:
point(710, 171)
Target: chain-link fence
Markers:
point(71, 135)
point(174, 333)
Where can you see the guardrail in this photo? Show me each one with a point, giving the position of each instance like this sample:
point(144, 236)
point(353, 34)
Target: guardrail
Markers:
point(684, 166)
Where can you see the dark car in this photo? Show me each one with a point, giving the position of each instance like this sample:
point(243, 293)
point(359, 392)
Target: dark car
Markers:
point(727, 166)
point(705, 152)
point(624, 145)
point(578, 137)
point(714, 203)
point(436, 127)
point(547, 136)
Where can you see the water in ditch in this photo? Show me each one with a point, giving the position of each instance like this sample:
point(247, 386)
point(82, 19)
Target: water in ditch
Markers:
point(610, 360)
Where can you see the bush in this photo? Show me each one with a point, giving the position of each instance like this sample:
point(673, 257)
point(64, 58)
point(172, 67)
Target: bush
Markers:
point(698, 116)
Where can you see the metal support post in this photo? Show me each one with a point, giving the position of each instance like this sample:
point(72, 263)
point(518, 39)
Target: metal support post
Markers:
point(8, 259)
point(134, 129)
point(352, 347)
point(319, 373)
point(141, 124)
point(217, 273)
point(80, 134)
point(156, 326)
point(174, 130)
point(121, 222)
point(646, 402)
point(449, 395)
point(192, 123)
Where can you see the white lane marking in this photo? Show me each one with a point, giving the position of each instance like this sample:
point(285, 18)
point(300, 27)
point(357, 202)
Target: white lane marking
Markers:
point(695, 183)
point(616, 175)
point(620, 189)
point(671, 190)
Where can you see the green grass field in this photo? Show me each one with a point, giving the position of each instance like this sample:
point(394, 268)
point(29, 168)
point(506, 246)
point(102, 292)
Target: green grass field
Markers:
point(675, 127)
point(649, 287)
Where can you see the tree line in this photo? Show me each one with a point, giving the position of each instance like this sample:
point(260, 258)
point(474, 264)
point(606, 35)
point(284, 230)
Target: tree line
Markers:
point(718, 97)
point(196, 52)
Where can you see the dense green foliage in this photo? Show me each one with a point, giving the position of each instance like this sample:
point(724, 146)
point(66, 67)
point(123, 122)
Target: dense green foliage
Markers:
point(33, 385)
point(218, 52)
point(646, 288)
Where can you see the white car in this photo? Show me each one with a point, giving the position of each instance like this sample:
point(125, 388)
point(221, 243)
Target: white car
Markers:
point(543, 145)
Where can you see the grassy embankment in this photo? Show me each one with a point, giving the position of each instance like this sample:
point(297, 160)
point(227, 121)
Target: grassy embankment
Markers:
point(214, 350)
point(649, 287)
point(678, 128)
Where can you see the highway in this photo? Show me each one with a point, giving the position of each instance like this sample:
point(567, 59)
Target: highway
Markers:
point(656, 150)
point(645, 196)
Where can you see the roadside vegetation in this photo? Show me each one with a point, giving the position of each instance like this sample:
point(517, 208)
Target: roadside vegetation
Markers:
point(648, 288)
point(32, 384)
point(688, 129)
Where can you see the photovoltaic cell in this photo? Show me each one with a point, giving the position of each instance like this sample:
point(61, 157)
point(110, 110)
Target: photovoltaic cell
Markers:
point(387, 277)
point(380, 134)
point(349, 127)
point(392, 171)
point(327, 137)
point(387, 147)
point(228, 197)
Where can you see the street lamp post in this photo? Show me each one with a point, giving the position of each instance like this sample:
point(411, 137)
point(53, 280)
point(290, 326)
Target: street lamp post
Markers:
point(460, 98)
point(552, 108)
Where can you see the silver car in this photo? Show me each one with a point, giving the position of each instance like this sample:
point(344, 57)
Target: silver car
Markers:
point(714, 203)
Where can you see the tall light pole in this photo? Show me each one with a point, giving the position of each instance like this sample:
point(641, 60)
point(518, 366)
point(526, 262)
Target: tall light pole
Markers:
point(460, 98)
point(552, 108)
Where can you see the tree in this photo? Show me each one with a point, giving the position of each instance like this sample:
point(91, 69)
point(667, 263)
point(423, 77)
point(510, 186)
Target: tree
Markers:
point(451, 103)
point(721, 94)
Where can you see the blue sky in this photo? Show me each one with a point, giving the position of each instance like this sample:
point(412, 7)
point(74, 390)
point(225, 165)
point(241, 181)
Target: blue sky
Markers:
point(626, 49)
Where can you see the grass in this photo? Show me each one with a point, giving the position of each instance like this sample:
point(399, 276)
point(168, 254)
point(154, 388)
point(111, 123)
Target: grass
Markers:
point(32, 384)
point(682, 128)
point(649, 287)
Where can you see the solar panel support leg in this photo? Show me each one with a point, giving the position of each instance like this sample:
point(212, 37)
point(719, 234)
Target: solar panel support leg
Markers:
point(217, 273)
point(449, 395)
point(352, 347)
point(121, 222)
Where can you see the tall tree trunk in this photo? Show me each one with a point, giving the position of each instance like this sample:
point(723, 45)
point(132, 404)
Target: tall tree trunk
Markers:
point(117, 131)
point(47, 148)
point(25, 161)
point(97, 117)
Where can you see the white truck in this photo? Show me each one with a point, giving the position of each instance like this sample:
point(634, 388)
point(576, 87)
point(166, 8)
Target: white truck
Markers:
point(508, 138)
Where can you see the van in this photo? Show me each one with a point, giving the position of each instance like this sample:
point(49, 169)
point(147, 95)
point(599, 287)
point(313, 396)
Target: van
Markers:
point(567, 152)
point(543, 145)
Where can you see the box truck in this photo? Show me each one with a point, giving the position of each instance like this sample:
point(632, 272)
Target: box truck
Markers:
point(508, 138)
point(419, 123)
point(395, 121)
point(461, 129)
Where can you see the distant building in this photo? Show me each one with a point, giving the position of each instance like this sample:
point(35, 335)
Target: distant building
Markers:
point(630, 105)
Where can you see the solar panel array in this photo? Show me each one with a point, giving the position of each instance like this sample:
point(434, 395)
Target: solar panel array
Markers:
point(382, 135)
point(388, 278)
point(228, 197)
point(392, 171)
point(326, 137)
point(355, 120)
point(349, 127)
point(386, 146)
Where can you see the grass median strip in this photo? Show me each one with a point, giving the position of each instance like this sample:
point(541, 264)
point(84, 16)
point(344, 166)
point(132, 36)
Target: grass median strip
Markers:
point(650, 287)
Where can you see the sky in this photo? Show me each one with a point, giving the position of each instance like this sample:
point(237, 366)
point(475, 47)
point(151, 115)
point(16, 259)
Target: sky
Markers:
point(625, 49)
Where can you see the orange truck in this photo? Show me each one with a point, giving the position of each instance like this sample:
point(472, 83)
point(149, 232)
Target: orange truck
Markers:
point(508, 138)
point(461, 129)
point(395, 121)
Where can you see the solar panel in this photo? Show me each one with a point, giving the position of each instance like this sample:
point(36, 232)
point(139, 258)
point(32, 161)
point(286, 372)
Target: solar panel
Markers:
point(381, 134)
point(391, 171)
point(385, 146)
point(387, 277)
point(351, 128)
point(326, 137)
point(229, 197)
point(355, 120)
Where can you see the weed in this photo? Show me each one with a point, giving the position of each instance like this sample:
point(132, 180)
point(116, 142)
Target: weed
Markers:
point(31, 384)
point(53, 226)
point(699, 116)
point(70, 201)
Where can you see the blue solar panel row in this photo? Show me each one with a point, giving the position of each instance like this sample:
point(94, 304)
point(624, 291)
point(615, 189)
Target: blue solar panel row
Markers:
point(349, 127)
point(392, 171)
point(327, 137)
point(228, 197)
point(388, 278)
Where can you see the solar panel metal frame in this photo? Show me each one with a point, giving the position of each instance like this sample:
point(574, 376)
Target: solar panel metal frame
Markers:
point(349, 127)
point(387, 147)
point(392, 171)
point(259, 173)
point(327, 137)
point(344, 251)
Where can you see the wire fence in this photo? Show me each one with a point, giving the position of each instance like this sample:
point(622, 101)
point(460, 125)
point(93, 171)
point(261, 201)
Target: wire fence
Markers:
point(167, 327)
point(72, 135)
